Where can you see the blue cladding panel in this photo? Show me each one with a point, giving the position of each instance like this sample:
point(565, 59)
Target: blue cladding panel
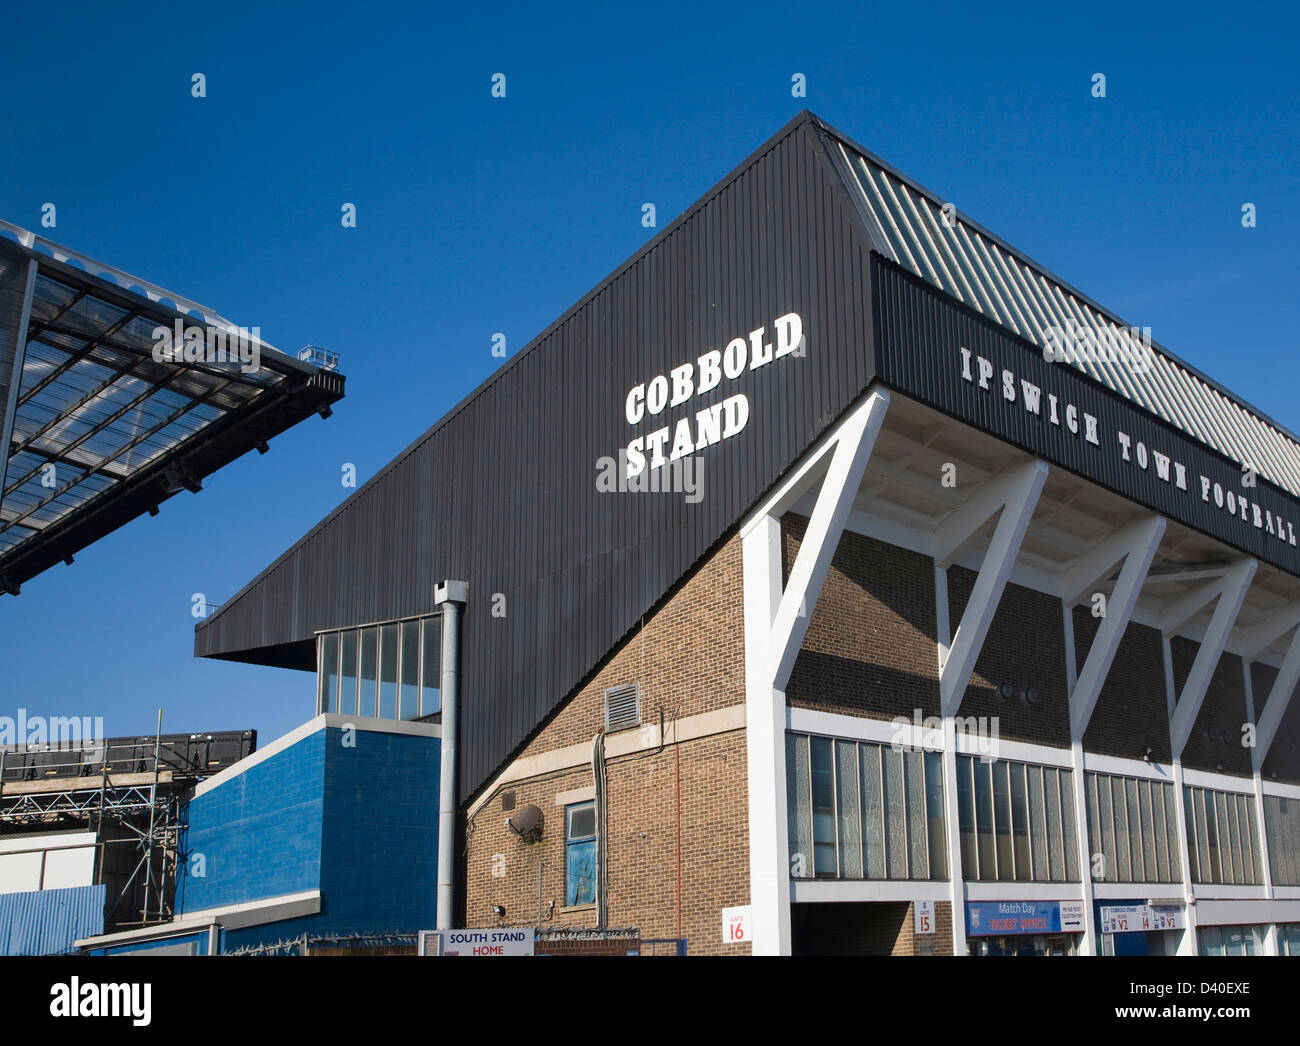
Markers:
point(357, 821)
point(259, 834)
point(198, 942)
point(46, 922)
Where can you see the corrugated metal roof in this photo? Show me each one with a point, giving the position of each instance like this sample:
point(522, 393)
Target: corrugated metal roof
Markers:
point(907, 224)
point(47, 922)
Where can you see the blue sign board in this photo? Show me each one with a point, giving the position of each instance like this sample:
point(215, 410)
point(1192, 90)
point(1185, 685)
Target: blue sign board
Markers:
point(1001, 918)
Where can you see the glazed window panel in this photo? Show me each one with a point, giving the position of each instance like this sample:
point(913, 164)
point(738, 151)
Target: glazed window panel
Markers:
point(859, 810)
point(1171, 828)
point(848, 809)
point(1030, 834)
point(1282, 826)
point(1138, 847)
point(873, 811)
point(382, 671)
point(917, 829)
point(895, 813)
point(798, 791)
point(1222, 837)
point(823, 808)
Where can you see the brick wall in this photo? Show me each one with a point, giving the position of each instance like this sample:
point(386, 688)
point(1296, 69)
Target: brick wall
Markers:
point(1282, 763)
point(1025, 646)
point(870, 647)
point(868, 928)
point(1132, 712)
point(688, 659)
point(1224, 708)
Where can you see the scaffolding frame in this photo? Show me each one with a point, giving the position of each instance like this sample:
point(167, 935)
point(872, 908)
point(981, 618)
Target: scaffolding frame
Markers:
point(151, 817)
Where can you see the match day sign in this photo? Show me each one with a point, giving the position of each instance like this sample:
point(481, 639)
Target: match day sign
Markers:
point(493, 941)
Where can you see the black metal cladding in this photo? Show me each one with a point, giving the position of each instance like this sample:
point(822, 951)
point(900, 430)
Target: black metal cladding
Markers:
point(919, 336)
point(502, 492)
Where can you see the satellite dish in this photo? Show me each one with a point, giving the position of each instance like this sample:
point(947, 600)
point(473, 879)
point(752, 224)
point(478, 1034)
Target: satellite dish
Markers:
point(526, 822)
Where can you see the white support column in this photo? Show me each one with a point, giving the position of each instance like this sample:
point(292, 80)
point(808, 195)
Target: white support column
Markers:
point(1188, 944)
point(1261, 825)
point(1079, 793)
point(1232, 591)
point(1014, 496)
point(769, 842)
point(1136, 544)
point(1279, 697)
point(951, 812)
point(775, 624)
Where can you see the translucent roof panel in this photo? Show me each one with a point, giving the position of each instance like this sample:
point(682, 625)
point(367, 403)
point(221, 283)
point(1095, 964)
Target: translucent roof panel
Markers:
point(99, 410)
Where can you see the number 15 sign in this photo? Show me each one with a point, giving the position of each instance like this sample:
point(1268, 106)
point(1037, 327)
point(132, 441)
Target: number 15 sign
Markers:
point(735, 925)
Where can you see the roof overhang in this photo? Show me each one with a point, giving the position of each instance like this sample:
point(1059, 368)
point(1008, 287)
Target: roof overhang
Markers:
point(99, 423)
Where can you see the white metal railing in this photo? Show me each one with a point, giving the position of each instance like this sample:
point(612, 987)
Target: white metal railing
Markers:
point(131, 284)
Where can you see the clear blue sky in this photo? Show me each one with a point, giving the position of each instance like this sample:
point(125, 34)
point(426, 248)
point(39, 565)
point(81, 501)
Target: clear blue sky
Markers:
point(478, 215)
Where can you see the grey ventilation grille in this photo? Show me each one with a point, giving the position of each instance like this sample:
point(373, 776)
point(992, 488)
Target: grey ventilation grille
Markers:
point(582, 822)
point(622, 707)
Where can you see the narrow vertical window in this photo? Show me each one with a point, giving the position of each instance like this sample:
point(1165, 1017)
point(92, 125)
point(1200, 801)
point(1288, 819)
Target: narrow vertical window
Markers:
point(873, 812)
point(848, 809)
point(823, 807)
point(580, 854)
point(329, 672)
point(935, 816)
point(388, 642)
point(348, 672)
point(798, 790)
point(369, 672)
point(410, 693)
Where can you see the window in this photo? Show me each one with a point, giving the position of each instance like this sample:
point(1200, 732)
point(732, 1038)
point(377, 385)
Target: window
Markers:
point(1288, 939)
point(863, 811)
point(1016, 821)
point(580, 854)
point(1282, 826)
point(1222, 838)
point(389, 671)
point(1230, 940)
point(622, 707)
point(1136, 837)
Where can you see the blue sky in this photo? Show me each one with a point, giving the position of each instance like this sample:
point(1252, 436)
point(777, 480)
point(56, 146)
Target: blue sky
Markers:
point(477, 215)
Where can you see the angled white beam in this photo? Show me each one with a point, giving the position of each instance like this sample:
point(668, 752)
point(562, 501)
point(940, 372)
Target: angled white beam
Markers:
point(961, 526)
point(1176, 614)
point(855, 438)
point(1019, 490)
point(1253, 641)
point(1143, 540)
point(1190, 574)
point(1234, 586)
point(1279, 697)
point(1082, 576)
point(775, 624)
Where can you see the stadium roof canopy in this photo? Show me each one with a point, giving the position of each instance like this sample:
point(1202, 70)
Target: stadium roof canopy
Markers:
point(96, 429)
